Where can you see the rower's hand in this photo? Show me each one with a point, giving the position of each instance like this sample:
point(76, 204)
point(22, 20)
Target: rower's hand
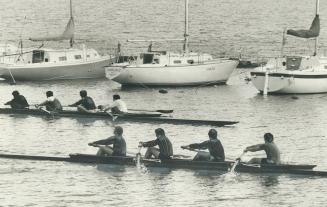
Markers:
point(245, 150)
point(37, 106)
point(91, 144)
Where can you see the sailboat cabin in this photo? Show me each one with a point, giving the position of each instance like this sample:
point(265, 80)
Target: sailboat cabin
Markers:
point(164, 58)
point(55, 56)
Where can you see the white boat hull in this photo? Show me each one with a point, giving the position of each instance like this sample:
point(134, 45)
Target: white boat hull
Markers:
point(292, 82)
point(94, 68)
point(213, 72)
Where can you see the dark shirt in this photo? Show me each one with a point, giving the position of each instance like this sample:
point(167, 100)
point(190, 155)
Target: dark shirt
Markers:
point(214, 146)
point(165, 147)
point(119, 145)
point(87, 102)
point(18, 102)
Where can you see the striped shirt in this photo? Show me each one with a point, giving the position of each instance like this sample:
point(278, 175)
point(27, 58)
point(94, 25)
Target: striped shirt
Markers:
point(165, 146)
point(214, 146)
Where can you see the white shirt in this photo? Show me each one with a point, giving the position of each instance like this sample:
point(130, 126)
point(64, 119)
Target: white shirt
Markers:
point(120, 105)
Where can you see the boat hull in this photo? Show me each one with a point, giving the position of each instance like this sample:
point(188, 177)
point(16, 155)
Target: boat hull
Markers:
point(133, 117)
point(177, 164)
point(216, 72)
point(55, 71)
point(291, 82)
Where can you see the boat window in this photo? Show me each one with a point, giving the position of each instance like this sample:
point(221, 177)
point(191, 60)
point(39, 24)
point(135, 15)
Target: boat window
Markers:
point(38, 56)
point(63, 58)
point(46, 59)
point(177, 62)
point(78, 57)
point(156, 61)
point(190, 61)
point(293, 63)
point(147, 58)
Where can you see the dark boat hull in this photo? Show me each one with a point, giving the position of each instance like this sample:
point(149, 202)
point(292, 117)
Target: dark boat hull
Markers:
point(135, 117)
point(178, 164)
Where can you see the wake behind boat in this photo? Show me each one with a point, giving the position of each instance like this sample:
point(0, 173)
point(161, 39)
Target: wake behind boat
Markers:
point(18, 63)
point(165, 68)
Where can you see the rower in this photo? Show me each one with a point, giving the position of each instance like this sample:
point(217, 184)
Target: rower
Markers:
point(272, 152)
point(216, 149)
point(118, 106)
point(85, 104)
point(52, 103)
point(165, 150)
point(18, 102)
point(118, 142)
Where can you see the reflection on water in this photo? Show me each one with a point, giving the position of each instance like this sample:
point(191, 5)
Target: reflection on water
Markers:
point(269, 181)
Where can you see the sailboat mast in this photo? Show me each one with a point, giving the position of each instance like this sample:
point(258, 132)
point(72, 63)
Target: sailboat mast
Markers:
point(71, 41)
point(186, 35)
point(316, 39)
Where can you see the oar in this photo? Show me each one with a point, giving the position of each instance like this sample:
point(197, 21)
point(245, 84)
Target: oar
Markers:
point(237, 161)
point(164, 111)
point(42, 109)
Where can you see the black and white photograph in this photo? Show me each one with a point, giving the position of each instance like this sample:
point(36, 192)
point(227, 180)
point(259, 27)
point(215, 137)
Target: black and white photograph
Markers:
point(189, 103)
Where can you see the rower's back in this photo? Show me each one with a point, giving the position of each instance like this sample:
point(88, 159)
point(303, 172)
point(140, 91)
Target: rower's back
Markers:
point(216, 149)
point(54, 105)
point(119, 146)
point(272, 151)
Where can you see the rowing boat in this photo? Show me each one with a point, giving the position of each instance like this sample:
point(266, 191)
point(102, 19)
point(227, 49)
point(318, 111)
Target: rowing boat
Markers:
point(178, 164)
point(136, 117)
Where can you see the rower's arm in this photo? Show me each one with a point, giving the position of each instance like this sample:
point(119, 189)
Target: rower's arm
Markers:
point(76, 103)
point(8, 103)
point(150, 143)
point(43, 103)
point(255, 148)
point(107, 141)
point(203, 145)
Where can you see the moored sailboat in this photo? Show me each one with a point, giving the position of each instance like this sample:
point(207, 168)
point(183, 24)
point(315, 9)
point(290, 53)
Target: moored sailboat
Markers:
point(52, 64)
point(294, 74)
point(165, 68)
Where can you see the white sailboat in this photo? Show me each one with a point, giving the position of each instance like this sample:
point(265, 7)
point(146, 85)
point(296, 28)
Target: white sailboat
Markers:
point(294, 74)
point(52, 64)
point(165, 68)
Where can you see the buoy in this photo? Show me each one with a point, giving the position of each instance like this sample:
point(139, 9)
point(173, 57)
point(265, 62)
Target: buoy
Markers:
point(163, 91)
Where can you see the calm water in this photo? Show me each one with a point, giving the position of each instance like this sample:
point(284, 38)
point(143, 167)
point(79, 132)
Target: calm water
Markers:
point(216, 26)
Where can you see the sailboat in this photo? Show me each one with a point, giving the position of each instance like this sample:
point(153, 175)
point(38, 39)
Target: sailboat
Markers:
point(52, 64)
point(165, 68)
point(294, 74)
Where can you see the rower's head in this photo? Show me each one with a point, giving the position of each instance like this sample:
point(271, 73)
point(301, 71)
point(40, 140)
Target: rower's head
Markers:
point(268, 137)
point(118, 130)
point(159, 132)
point(15, 93)
point(83, 93)
point(116, 97)
point(213, 134)
point(49, 93)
